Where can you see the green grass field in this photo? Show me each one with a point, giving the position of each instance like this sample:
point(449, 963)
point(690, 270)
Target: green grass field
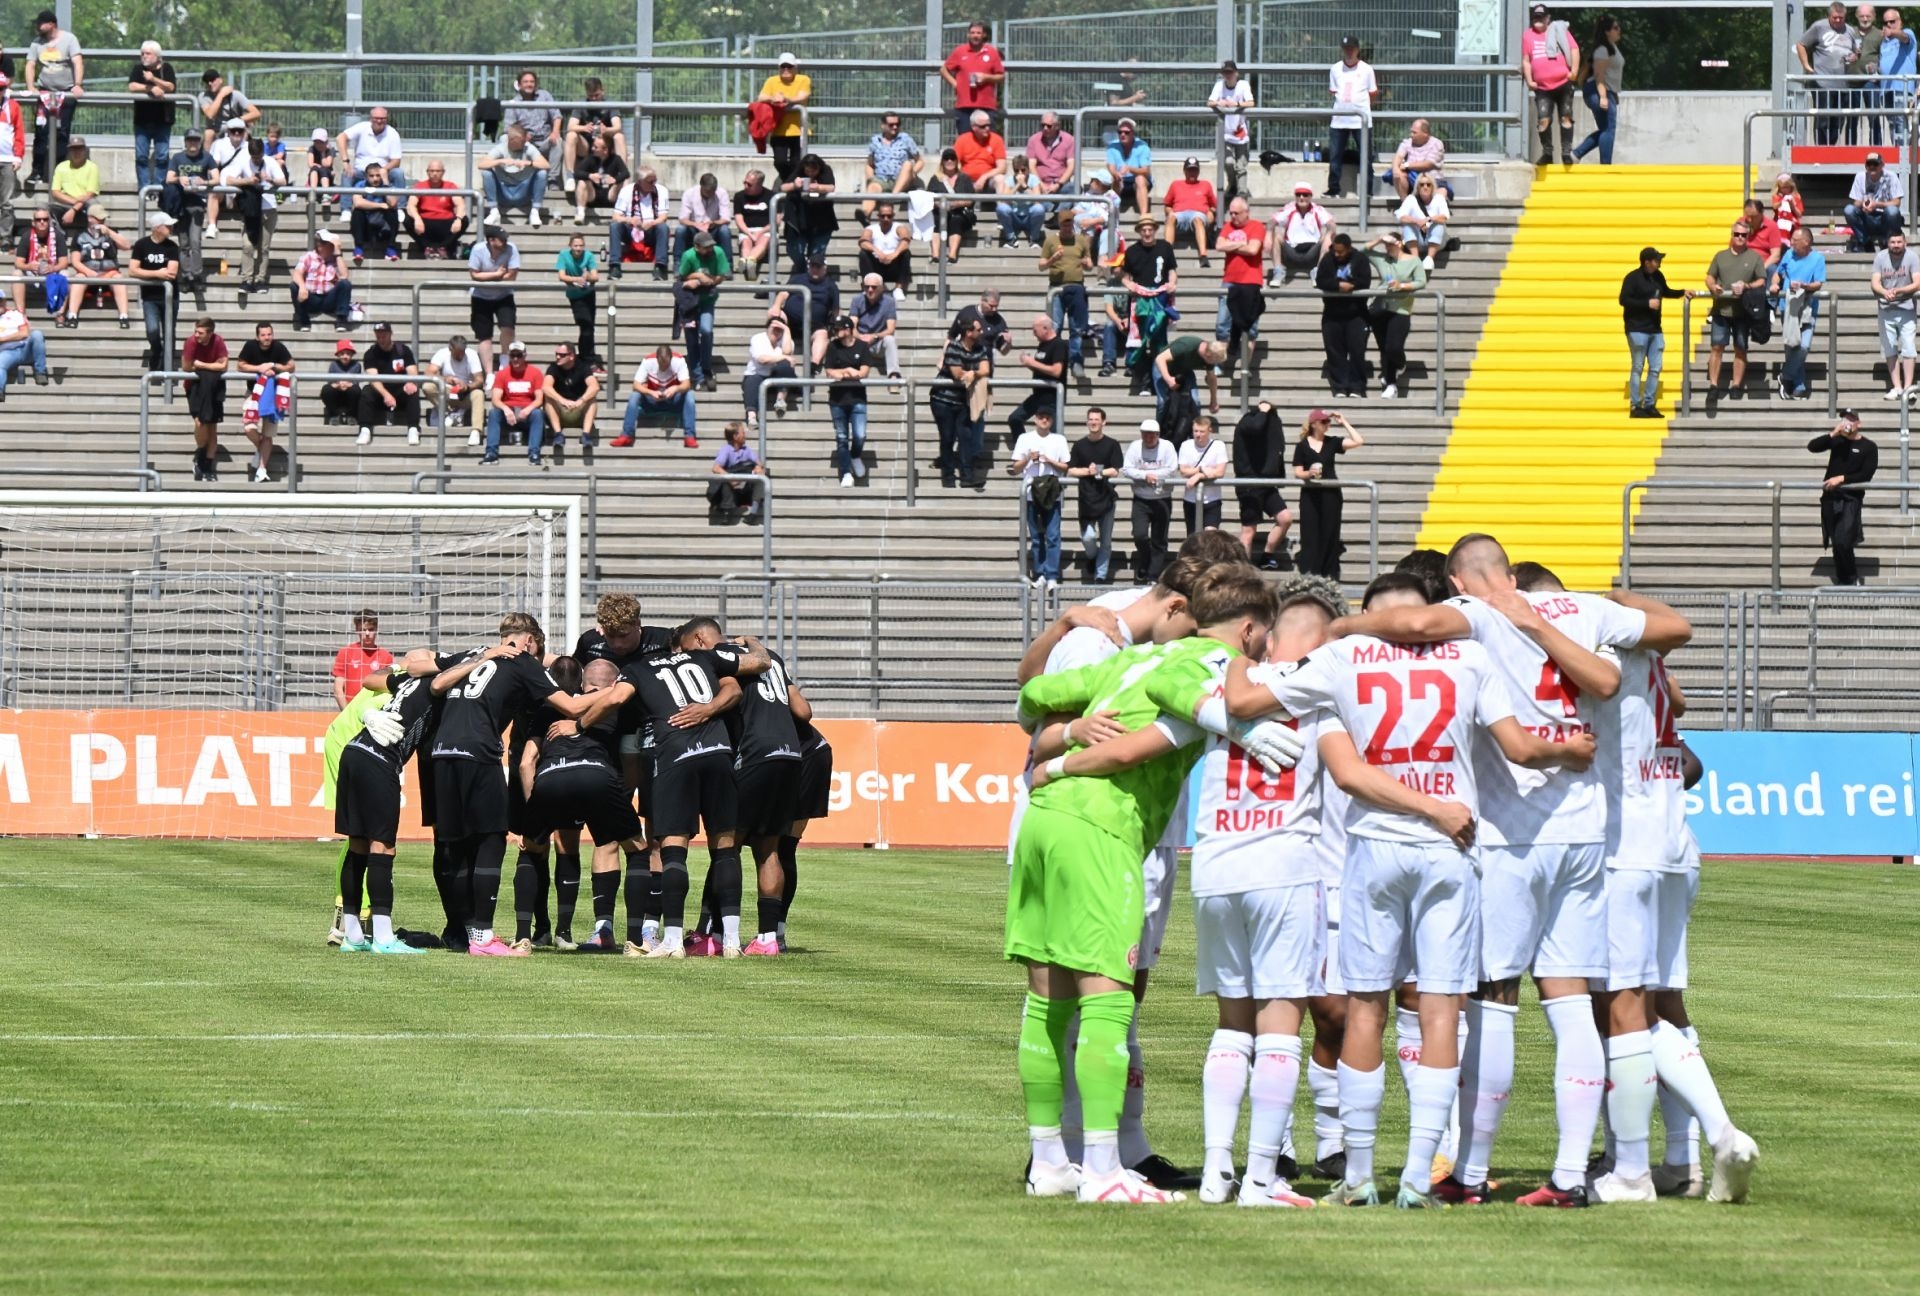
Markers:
point(197, 1096)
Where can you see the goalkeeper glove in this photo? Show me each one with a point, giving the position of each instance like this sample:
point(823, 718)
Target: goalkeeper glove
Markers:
point(1275, 745)
point(385, 727)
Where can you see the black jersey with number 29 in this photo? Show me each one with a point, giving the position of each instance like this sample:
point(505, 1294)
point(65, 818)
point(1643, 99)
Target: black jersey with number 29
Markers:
point(667, 682)
point(478, 708)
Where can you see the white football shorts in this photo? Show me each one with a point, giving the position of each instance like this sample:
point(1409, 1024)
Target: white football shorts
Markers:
point(1675, 907)
point(1263, 944)
point(1330, 979)
point(1409, 911)
point(1161, 869)
point(1543, 909)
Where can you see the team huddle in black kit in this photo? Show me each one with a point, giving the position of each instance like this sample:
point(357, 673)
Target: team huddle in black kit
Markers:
point(644, 737)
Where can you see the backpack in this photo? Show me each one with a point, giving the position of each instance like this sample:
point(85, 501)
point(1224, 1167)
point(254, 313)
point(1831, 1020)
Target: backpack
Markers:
point(1759, 315)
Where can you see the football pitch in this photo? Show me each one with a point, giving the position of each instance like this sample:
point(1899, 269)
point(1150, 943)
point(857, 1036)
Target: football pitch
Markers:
point(196, 1095)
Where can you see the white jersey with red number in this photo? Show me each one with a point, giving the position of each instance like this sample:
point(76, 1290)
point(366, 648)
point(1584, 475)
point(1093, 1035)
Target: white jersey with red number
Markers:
point(1413, 709)
point(1332, 842)
point(1640, 766)
point(1528, 807)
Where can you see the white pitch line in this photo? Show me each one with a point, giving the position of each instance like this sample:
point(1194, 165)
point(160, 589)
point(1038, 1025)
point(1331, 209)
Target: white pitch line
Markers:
point(559, 1113)
point(433, 1037)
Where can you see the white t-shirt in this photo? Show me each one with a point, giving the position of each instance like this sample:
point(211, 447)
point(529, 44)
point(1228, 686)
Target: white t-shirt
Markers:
point(465, 370)
point(1235, 124)
point(1640, 766)
point(1525, 807)
point(1436, 206)
point(763, 355)
point(1335, 805)
point(1296, 227)
point(1352, 87)
point(1191, 456)
point(1414, 711)
point(653, 381)
point(1052, 445)
point(367, 147)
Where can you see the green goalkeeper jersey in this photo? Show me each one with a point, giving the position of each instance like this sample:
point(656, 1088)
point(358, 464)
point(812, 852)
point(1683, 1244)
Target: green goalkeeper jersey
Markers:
point(345, 728)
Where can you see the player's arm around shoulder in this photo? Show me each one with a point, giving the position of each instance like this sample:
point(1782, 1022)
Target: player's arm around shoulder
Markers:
point(1365, 783)
point(1125, 752)
point(1062, 692)
point(748, 657)
point(1595, 675)
point(1409, 625)
point(1665, 631)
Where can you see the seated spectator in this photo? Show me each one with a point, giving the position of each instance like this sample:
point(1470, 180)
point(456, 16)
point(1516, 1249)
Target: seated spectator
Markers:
point(95, 266)
point(579, 270)
point(269, 396)
point(1041, 459)
point(518, 395)
point(1192, 207)
point(705, 209)
point(1093, 215)
point(1763, 235)
point(572, 395)
point(876, 323)
point(598, 177)
point(703, 268)
point(205, 357)
point(511, 176)
point(1873, 207)
point(1420, 154)
point(493, 266)
point(1398, 268)
point(1067, 258)
point(1304, 232)
point(848, 362)
point(957, 219)
point(375, 217)
point(394, 403)
point(641, 225)
point(532, 110)
point(1343, 318)
point(437, 219)
point(456, 369)
point(804, 322)
point(995, 336)
point(769, 355)
point(586, 126)
point(340, 401)
point(76, 182)
point(363, 144)
point(752, 223)
point(1423, 219)
point(1054, 154)
point(1130, 161)
point(729, 501)
point(188, 174)
point(893, 161)
point(23, 345)
point(661, 385)
point(1203, 462)
point(40, 250)
point(809, 217)
point(981, 152)
point(320, 284)
point(1018, 220)
point(320, 156)
point(786, 90)
point(886, 251)
point(1116, 309)
point(1047, 365)
point(1788, 207)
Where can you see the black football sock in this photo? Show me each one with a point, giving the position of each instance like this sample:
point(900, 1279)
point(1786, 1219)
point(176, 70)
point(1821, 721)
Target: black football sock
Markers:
point(704, 923)
point(483, 896)
point(673, 891)
point(638, 886)
point(790, 862)
point(542, 885)
point(453, 897)
point(724, 876)
point(353, 872)
point(524, 888)
point(769, 915)
point(606, 891)
point(566, 892)
point(380, 884)
point(656, 897)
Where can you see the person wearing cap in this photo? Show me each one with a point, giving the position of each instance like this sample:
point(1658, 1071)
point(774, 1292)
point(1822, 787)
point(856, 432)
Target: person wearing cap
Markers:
point(1642, 293)
point(951, 223)
point(1399, 271)
point(893, 161)
point(572, 394)
point(436, 217)
point(1796, 281)
point(155, 262)
point(886, 250)
point(585, 125)
point(976, 72)
point(661, 385)
point(1130, 162)
point(1093, 215)
point(57, 70)
point(641, 219)
point(1852, 460)
point(1304, 232)
point(76, 182)
point(703, 268)
point(1041, 459)
point(340, 401)
point(808, 209)
point(518, 394)
point(96, 258)
point(152, 82)
point(1420, 153)
point(372, 141)
point(396, 402)
point(493, 266)
point(1354, 89)
point(847, 360)
point(1825, 52)
point(1152, 276)
point(320, 156)
point(1230, 97)
point(1343, 316)
point(1066, 255)
point(40, 250)
point(511, 174)
point(320, 284)
point(1153, 466)
point(219, 103)
point(456, 367)
point(1191, 206)
point(532, 110)
point(1873, 206)
point(1054, 154)
point(876, 322)
point(705, 208)
point(787, 90)
point(1548, 57)
point(1019, 217)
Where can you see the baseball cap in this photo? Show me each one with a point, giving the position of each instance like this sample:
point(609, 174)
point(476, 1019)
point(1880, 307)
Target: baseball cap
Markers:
point(327, 236)
point(516, 348)
point(787, 59)
point(1191, 162)
point(1873, 159)
point(816, 260)
point(1349, 42)
point(76, 143)
point(1539, 11)
point(1149, 425)
point(1652, 254)
point(1228, 65)
point(236, 125)
point(95, 211)
point(493, 232)
point(319, 134)
point(1303, 188)
point(383, 327)
point(1103, 176)
point(1319, 416)
point(343, 346)
point(158, 219)
point(703, 240)
point(843, 321)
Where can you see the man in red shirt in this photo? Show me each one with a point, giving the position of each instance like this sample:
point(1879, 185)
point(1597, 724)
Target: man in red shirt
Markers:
point(359, 659)
point(517, 391)
point(981, 150)
point(1243, 242)
point(1190, 204)
point(976, 73)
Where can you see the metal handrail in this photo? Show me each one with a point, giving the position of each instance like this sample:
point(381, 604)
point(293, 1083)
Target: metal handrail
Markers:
point(810, 384)
point(1912, 114)
point(1439, 325)
point(137, 285)
point(149, 478)
point(416, 289)
point(312, 208)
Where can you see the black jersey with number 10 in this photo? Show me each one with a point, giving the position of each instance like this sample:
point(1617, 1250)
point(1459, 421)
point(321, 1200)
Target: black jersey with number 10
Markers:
point(667, 682)
point(478, 708)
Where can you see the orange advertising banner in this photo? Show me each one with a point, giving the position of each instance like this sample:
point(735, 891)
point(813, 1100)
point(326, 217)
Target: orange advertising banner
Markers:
point(255, 774)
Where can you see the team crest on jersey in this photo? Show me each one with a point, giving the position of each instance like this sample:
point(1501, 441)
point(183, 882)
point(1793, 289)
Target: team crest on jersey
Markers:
point(1133, 957)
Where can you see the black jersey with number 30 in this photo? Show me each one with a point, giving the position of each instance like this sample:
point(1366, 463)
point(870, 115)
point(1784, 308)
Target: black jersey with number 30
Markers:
point(765, 729)
point(478, 708)
point(666, 682)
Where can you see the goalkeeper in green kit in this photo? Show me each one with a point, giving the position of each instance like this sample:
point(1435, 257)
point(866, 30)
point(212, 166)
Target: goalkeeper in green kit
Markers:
point(1076, 895)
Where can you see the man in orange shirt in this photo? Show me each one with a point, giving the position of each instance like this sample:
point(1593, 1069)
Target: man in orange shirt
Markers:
point(982, 153)
point(359, 659)
point(1190, 204)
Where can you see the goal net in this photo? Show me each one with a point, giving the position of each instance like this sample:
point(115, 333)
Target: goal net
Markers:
point(166, 659)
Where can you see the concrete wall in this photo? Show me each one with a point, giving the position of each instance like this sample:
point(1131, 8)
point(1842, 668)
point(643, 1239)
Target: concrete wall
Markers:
point(1684, 126)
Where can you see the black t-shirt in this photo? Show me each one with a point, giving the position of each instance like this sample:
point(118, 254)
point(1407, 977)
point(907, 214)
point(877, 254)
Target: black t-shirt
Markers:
point(387, 360)
point(1052, 352)
point(1149, 267)
point(255, 354)
point(847, 355)
point(599, 745)
point(993, 326)
point(1097, 494)
point(593, 116)
point(766, 729)
point(411, 699)
point(51, 245)
point(811, 215)
point(592, 647)
point(1304, 455)
point(478, 708)
point(152, 254)
point(570, 383)
point(668, 681)
point(610, 166)
point(755, 209)
point(148, 111)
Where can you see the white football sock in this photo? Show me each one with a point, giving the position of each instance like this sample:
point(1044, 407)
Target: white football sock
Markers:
point(1631, 1090)
point(1450, 1141)
point(729, 929)
point(1324, 1084)
point(1361, 1093)
point(1486, 1080)
point(1683, 1130)
point(1103, 1153)
point(1072, 1121)
point(383, 927)
point(1276, 1082)
point(479, 935)
point(1677, 1058)
point(674, 935)
point(1429, 1096)
point(1406, 1026)
point(1223, 1084)
point(649, 928)
point(1047, 1147)
point(350, 924)
point(1133, 1104)
point(1579, 1083)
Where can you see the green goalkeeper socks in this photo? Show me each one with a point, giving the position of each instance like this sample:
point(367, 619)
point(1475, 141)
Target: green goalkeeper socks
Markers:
point(1043, 1043)
point(1100, 1064)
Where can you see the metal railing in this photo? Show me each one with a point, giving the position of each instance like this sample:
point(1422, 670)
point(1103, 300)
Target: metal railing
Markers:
point(312, 208)
point(417, 290)
point(917, 385)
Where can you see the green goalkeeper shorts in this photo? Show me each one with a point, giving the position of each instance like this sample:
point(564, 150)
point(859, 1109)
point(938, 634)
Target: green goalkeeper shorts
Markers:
point(1075, 897)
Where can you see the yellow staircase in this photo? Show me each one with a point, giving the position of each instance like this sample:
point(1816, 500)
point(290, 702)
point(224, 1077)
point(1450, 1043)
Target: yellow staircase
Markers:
point(1542, 445)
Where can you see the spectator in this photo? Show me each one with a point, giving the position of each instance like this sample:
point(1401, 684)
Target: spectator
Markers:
point(976, 73)
point(533, 112)
point(585, 126)
point(189, 174)
point(1127, 94)
point(876, 323)
point(359, 659)
point(640, 220)
point(579, 270)
point(56, 76)
point(340, 401)
point(893, 161)
point(363, 144)
point(40, 250)
point(228, 168)
point(1055, 155)
point(23, 345)
point(437, 218)
point(511, 176)
point(1305, 233)
point(1040, 459)
point(519, 392)
point(572, 395)
point(1862, 91)
point(1548, 56)
point(1152, 277)
point(1176, 372)
point(1193, 206)
point(1397, 270)
point(1067, 255)
point(1734, 270)
point(848, 362)
point(1116, 311)
point(1153, 467)
point(1423, 217)
point(727, 501)
point(1600, 88)
point(1259, 448)
point(376, 217)
point(661, 385)
point(769, 355)
point(1203, 462)
point(76, 182)
point(152, 81)
point(156, 264)
point(493, 266)
point(1789, 208)
point(256, 231)
point(1315, 457)
point(957, 219)
point(1231, 97)
point(1353, 87)
point(1796, 282)
point(13, 152)
point(787, 90)
point(1130, 162)
point(995, 333)
point(1018, 218)
point(395, 402)
point(1873, 207)
point(703, 268)
point(1896, 278)
point(219, 103)
point(809, 312)
point(320, 156)
point(809, 213)
point(982, 153)
point(205, 357)
point(964, 368)
point(1641, 294)
point(96, 258)
point(1897, 65)
point(1763, 235)
point(1047, 363)
point(1243, 242)
point(705, 209)
point(1096, 460)
point(267, 362)
point(886, 251)
point(1093, 215)
point(1851, 462)
point(1420, 154)
point(1343, 317)
point(598, 177)
point(753, 223)
point(457, 370)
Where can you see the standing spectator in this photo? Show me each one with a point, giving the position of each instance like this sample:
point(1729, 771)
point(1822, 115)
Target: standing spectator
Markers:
point(1130, 162)
point(56, 75)
point(976, 73)
point(156, 264)
point(1304, 232)
point(661, 385)
point(1897, 66)
point(810, 217)
point(572, 395)
point(893, 161)
point(1763, 235)
point(511, 176)
point(219, 103)
point(1423, 217)
point(152, 81)
point(1548, 56)
point(1420, 153)
point(753, 223)
point(376, 217)
point(363, 144)
point(1641, 294)
point(1314, 460)
point(981, 151)
point(1096, 460)
point(769, 355)
point(876, 323)
point(1231, 97)
point(1851, 462)
point(597, 178)
point(848, 362)
point(1055, 155)
point(808, 313)
point(1824, 52)
point(395, 402)
point(1398, 270)
point(1203, 462)
point(1343, 317)
point(40, 250)
point(76, 182)
point(705, 209)
point(1873, 207)
point(579, 270)
point(320, 284)
point(964, 368)
point(1176, 374)
point(13, 152)
point(457, 369)
point(1243, 242)
point(1733, 270)
point(268, 362)
point(1353, 87)
point(96, 257)
point(641, 220)
point(340, 401)
point(21, 344)
point(493, 266)
point(437, 218)
point(1193, 206)
point(1047, 363)
point(256, 231)
point(519, 392)
point(533, 112)
point(787, 89)
point(1600, 88)
point(886, 251)
point(702, 270)
point(586, 125)
point(1259, 449)
point(205, 357)
point(1067, 255)
point(994, 329)
point(728, 500)
point(1863, 92)
point(1127, 94)
point(1796, 282)
point(957, 220)
point(359, 659)
point(1019, 217)
point(1040, 458)
point(1153, 467)
point(1896, 278)
point(1152, 276)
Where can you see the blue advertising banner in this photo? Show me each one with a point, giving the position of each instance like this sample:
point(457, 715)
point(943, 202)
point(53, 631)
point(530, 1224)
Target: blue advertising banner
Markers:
point(1805, 794)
